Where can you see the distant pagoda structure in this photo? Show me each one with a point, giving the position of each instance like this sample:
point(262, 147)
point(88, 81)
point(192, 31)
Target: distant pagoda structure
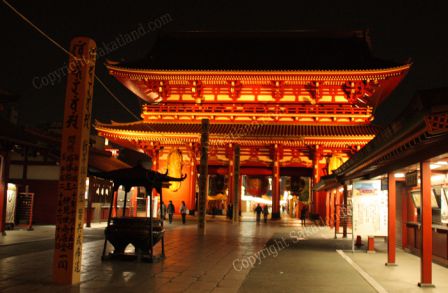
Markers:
point(298, 103)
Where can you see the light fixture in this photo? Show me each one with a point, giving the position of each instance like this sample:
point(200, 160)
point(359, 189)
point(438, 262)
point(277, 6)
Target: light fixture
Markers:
point(154, 96)
point(438, 164)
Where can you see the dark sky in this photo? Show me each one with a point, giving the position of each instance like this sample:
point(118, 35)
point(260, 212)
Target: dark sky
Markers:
point(399, 30)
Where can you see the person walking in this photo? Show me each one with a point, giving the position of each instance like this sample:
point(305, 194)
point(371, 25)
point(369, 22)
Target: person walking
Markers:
point(258, 211)
point(170, 210)
point(303, 214)
point(183, 212)
point(162, 211)
point(265, 213)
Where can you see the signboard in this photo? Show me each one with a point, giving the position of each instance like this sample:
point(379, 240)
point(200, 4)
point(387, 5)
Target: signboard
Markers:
point(411, 179)
point(416, 199)
point(369, 208)
point(444, 205)
point(24, 209)
point(73, 161)
point(11, 204)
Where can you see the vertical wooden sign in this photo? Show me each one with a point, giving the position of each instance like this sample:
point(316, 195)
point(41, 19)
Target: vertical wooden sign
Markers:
point(73, 161)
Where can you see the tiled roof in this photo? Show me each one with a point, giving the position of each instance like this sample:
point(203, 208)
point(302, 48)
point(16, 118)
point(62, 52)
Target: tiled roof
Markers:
point(244, 130)
point(105, 163)
point(420, 133)
point(284, 50)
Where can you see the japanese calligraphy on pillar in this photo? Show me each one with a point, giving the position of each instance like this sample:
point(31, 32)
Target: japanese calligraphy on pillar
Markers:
point(73, 161)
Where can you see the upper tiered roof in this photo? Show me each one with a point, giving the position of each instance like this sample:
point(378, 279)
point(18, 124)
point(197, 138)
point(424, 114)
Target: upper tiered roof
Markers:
point(291, 66)
point(260, 51)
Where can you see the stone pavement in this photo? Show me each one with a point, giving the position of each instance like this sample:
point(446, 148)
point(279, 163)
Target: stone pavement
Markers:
point(279, 256)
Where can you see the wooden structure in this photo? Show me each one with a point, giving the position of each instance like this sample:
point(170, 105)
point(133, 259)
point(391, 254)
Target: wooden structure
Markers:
point(73, 162)
point(290, 100)
point(142, 233)
point(411, 156)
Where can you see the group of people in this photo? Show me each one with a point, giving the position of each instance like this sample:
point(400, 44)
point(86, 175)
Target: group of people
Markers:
point(264, 210)
point(170, 210)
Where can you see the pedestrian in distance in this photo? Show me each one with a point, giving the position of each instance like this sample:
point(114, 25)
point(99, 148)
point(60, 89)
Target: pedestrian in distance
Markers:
point(303, 214)
point(258, 211)
point(170, 210)
point(183, 212)
point(162, 210)
point(265, 213)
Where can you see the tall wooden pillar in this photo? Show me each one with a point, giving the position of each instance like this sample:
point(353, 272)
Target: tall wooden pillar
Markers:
point(203, 177)
point(276, 183)
point(230, 181)
point(327, 208)
point(154, 153)
point(236, 184)
point(4, 174)
point(114, 203)
point(90, 191)
point(404, 218)
point(391, 219)
point(345, 212)
point(332, 198)
point(337, 211)
point(73, 162)
point(426, 226)
point(193, 178)
point(316, 156)
point(155, 159)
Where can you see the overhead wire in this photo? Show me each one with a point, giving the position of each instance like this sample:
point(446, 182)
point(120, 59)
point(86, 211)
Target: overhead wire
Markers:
point(24, 18)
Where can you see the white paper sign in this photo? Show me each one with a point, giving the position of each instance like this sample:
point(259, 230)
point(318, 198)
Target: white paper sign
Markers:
point(369, 208)
point(444, 205)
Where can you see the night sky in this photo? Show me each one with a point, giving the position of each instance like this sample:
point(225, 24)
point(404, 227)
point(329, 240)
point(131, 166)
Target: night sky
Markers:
point(399, 30)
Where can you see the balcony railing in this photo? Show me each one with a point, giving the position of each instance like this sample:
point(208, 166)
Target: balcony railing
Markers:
point(253, 109)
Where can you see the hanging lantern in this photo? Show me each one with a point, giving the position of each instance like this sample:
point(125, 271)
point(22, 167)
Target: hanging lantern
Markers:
point(174, 166)
point(334, 163)
point(257, 185)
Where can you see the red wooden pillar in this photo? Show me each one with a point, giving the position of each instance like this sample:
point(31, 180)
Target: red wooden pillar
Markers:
point(134, 201)
point(114, 204)
point(240, 184)
point(331, 209)
point(90, 191)
point(275, 183)
point(327, 209)
point(236, 184)
point(316, 156)
point(193, 177)
point(404, 217)
point(345, 211)
point(391, 219)
point(155, 154)
point(426, 226)
point(337, 211)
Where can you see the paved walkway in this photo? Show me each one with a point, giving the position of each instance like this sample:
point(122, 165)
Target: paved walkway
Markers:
point(246, 257)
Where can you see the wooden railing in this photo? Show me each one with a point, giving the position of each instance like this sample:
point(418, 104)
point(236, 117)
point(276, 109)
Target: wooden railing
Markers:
point(256, 109)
